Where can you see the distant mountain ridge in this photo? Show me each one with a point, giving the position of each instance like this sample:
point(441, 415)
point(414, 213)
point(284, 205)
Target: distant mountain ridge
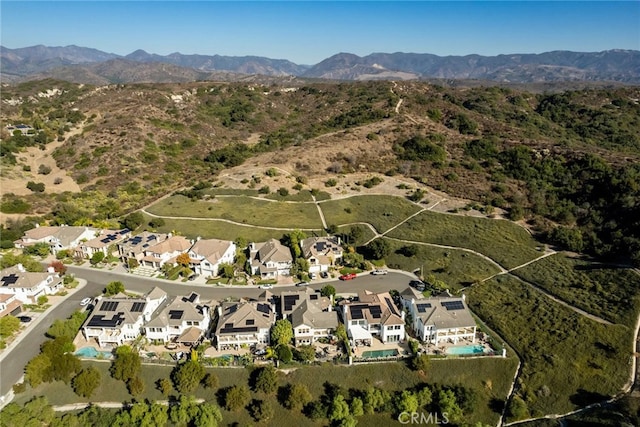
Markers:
point(79, 64)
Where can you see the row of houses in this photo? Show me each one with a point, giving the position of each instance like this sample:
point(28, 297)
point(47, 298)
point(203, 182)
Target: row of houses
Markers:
point(269, 260)
point(248, 322)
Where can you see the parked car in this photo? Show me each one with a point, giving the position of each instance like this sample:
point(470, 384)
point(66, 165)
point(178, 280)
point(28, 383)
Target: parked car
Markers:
point(420, 286)
point(313, 276)
point(302, 284)
point(266, 286)
point(24, 319)
point(379, 272)
point(85, 301)
point(193, 277)
point(324, 274)
point(348, 276)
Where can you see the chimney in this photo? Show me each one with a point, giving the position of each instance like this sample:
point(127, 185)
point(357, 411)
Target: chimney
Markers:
point(464, 297)
point(198, 238)
point(20, 268)
point(219, 311)
point(169, 235)
point(51, 270)
point(402, 314)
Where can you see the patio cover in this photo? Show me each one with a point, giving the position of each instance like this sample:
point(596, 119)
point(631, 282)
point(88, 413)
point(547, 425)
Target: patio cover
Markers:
point(190, 335)
point(357, 332)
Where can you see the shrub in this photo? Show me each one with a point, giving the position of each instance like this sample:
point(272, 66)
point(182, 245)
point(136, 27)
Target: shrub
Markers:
point(44, 170)
point(36, 187)
point(330, 182)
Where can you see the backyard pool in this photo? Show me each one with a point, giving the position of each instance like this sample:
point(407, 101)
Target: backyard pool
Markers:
point(379, 353)
point(91, 352)
point(466, 349)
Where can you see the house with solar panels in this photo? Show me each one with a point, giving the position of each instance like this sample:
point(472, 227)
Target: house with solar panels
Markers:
point(183, 320)
point(244, 322)
point(270, 259)
point(27, 286)
point(373, 315)
point(311, 315)
point(207, 255)
point(441, 319)
point(133, 248)
point(57, 237)
point(119, 319)
point(102, 242)
point(321, 252)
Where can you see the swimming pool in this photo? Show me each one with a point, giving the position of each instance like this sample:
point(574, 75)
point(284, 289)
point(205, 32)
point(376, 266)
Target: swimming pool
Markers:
point(91, 352)
point(466, 349)
point(379, 353)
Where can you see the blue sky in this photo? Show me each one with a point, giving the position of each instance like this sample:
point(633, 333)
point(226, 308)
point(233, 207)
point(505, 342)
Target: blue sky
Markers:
point(310, 31)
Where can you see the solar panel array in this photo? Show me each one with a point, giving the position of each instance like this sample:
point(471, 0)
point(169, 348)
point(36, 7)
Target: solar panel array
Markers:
point(356, 311)
point(136, 240)
point(290, 301)
point(109, 306)
point(376, 311)
point(391, 305)
point(321, 246)
point(192, 297)
point(250, 322)
point(453, 305)
point(99, 321)
point(109, 238)
point(313, 297)
point(232, 330)
point(422, 308)
point(264, 308)
point(124, 231)
point(9, 280)
point(175, 314)
point(138, 307)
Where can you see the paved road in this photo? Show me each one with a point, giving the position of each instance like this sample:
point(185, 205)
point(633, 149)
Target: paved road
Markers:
point(13, 362)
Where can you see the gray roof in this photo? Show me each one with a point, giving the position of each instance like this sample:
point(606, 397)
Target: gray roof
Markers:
point(244, 317)
point(434, 312)
point(374, 308)
point(321, 246)
point(175, 312)
point(272, 250)
point(13, 277)
point(310, 314)
point(140, 242)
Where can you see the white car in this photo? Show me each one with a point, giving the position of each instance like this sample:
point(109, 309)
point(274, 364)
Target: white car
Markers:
point(265, 286)
point(379, 272)
point(85, 301)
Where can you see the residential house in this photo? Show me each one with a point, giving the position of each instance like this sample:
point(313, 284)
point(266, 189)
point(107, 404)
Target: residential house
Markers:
point(321, 252)
point(244, 323)
point(441, 319)
point(119, 319)
point(270, 259)
point(133, 248)
point(311, 315)
point(57, 237)
point(28, 286)
point(155, 256)
point(102, 242)
point(25, 130)
point(373, 315)
point(182, 319)
point(10, 305)
point(207, 255)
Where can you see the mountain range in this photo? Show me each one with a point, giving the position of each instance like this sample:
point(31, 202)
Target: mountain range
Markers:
point(86, 65)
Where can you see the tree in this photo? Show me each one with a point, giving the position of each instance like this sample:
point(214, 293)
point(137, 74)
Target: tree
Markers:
point(96, 258)
point(210, 380)
point(164, 386)
point(338, 408)
point(297, 396)
point(8, 326)
point(261, 410)
point(420, 362)
point(305, 353)
point(357, 407)
point(156, 223)
point(113, 288)
point(208, 415)
point(375, 400)
point(40, 249)
point(85, 383)
point(517, 408)
point(406, 401)
point(236, 397)
point(42, 300)
point(266, 380)
point(58, 267)
point(292, 240)
point(281, 332)
point(133, 220)
point(183, 259)
point(126, 364)
point(187, 376)
point(36, 370)
point(226, 270)
point(135, 386)
point(379, 249)
point(328, 291)
point(284, 353)
point(448, 405)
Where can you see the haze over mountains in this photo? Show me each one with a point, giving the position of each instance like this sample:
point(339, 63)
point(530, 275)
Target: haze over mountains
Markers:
point(86, 65)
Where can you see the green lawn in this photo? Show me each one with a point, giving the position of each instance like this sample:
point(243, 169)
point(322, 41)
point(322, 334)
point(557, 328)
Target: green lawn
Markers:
point(383, 212)
point(488, 378)
point(503, 241)
point(212, 229)
point(454, 267)
point(242, 209)
point(299, 196)
point(607, 292)
point(568, 360)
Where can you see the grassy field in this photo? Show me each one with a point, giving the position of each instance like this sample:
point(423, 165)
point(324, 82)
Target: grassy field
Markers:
point(367, 234)
point(300, 196)
point(568, 360)
point(607, 292)
point(230, 192)
point(488, 378)
point(383, 212)
point(501, 240)
point(454, 267)
point(213, 229)
point(245, 210)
